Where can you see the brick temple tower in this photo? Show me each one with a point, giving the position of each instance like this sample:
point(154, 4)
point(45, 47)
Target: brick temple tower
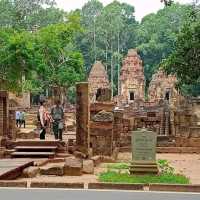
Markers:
point(162, 86)
point(98, 79)
point(132, 78)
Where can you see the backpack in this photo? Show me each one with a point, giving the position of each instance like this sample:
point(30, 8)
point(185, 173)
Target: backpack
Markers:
point(57, 113)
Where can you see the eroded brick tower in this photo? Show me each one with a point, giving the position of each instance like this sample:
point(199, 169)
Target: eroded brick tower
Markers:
point(98, 79)
point(132, 78)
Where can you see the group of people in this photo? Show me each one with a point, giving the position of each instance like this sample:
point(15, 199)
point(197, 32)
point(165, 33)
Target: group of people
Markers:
point(54, 118)
point(20, 119)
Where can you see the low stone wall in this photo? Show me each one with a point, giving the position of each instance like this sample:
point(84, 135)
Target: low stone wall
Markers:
point(114, 186)
point(56, 185)
point(174, 188)
point(22, 184)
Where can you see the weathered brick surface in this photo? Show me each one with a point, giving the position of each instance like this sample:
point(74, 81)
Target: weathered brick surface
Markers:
point(56, 185)
point(98, 79)
point(3, 116)
point(115, 186)
point(13, 184)
point(82, 117)
point(174, 188)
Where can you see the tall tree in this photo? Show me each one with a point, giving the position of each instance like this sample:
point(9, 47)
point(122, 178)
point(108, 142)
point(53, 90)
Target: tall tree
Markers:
point(185, 60)
point(59, 65)
point(17, 57)
point(157, 34)
point(18, 13)
point(89, 14)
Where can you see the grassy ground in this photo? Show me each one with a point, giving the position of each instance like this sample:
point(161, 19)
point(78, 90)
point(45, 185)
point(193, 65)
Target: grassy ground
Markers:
point(116, 177)
point(167, 175)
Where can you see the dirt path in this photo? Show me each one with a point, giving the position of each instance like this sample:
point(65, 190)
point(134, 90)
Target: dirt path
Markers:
point(187, 164)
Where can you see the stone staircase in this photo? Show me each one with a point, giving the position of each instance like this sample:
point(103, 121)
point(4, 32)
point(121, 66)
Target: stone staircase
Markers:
point(37, 148)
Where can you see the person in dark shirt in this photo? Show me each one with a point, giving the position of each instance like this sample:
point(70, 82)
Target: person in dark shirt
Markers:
point(57, 114)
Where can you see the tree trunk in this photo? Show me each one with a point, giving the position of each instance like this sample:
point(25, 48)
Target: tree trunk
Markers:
point(106, 52)
point(111, 63)
point(94, 35)
point(118, 64)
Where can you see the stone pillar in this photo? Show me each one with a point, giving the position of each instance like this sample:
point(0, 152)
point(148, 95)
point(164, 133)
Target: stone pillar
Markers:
point(26, 100)
point(172, 123)
point(118, 126)
point(162, 122)
point(167, 123)
point(3, 117)
point(82, 117)
point(12, 133)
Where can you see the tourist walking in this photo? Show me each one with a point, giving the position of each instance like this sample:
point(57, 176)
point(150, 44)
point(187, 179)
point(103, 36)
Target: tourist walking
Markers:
point(17, 118)
point(22, 119)
point(42, 117)
point(57, 114)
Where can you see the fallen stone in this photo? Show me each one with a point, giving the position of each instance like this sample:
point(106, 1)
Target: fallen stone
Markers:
point(52, 169)
point(31, 172)
point(79, 154)
point(88, 166)
point(73, 166)
point(96, 160)
point(40, 163)
point(108, 159)
point(103, 116)
point(115, 153)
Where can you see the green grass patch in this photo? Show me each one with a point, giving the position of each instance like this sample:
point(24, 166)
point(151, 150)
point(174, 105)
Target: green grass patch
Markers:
point(117, 173)
point(115, 177)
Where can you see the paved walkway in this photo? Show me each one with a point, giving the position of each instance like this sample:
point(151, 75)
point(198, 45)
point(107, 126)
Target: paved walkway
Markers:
point(61, 194)
point(10, 168)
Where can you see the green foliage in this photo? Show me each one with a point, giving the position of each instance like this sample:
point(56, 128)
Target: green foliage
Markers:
point(24, 14)
point(109, 33)
point(185, 60)
point(49, 47)
point(114, 177)
point(71, 95)
point(46, 58)
point(165, 167)
point(17, 57)
point(117, 173)
point(190, 90)
point(167, 2)
point(112, 30)
point(58, 62)
point(157, 34)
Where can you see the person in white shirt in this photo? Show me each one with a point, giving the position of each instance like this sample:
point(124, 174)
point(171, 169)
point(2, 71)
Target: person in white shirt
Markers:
point(17, 118)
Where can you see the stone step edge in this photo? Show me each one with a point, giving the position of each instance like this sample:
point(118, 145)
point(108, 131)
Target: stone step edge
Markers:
point(194, 188)
point(146, 187)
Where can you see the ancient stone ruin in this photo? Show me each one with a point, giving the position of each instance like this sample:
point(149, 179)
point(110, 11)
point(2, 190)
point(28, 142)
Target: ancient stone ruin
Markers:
point(161, 113)
point(3, 117)
point(162, 87)
point(98, 81)
point(101, 127)
point(132, 81)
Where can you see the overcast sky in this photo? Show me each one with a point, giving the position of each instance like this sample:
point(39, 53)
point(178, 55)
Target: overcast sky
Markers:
point(142, 7)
